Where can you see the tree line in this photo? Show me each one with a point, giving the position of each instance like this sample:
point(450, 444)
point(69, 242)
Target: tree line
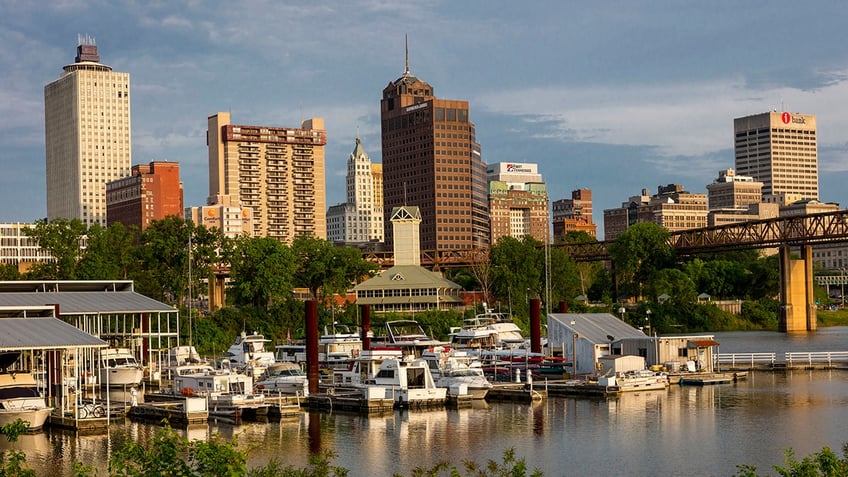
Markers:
point(172, 259)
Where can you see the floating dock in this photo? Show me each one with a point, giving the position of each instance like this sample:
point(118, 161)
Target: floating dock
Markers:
point(517, 392)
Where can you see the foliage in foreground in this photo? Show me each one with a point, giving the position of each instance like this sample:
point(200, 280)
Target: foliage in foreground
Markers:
point(169, 454)
point(818, 464)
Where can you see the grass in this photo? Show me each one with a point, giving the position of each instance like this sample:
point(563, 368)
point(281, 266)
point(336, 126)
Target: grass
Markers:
point(832, 318)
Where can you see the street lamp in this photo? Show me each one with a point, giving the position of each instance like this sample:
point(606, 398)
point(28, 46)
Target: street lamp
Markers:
point(648, 320)
point(621, 312)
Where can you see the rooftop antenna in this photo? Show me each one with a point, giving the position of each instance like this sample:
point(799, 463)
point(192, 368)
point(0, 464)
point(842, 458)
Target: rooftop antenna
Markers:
point(406, 49)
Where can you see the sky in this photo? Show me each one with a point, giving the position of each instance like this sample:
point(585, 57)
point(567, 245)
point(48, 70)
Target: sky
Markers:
point(613, 96)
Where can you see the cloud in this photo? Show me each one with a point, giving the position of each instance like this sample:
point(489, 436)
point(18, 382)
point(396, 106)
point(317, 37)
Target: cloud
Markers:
point(691, 119)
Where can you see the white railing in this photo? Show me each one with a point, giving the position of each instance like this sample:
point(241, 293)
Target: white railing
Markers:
point(750, 359)
point(816, 357)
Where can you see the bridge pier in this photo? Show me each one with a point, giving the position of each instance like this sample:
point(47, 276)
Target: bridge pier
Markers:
point(797, 303)
point(217, 296)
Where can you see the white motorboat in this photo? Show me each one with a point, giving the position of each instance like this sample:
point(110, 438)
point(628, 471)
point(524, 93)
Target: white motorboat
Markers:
point(249, 353)
point(457, 370)
point(337, 349)
point(408, 382)
point(20, 399)
point(283, 378)
point(364, 367)
point(229, 393)
point(488, 330)
point(407, 335)
point(643, 380)
point(119, 367)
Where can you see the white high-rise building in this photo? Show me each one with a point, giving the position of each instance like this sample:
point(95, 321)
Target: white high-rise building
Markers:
point(87, 134)
point(781, 151)
point(360, 219)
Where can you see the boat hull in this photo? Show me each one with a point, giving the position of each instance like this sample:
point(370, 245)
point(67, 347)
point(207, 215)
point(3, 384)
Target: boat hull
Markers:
point(119, 377)
point(35, 418)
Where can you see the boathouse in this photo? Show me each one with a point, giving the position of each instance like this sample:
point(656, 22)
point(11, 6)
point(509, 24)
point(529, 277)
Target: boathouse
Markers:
point(585, 337)
point(407, 287)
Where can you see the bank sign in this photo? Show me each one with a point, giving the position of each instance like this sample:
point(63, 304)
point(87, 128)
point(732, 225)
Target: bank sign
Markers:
point(518, 168)
point(788, 118)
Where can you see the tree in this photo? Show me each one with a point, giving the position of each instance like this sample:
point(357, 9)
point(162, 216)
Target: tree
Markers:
point(164, 257)
point(674, 283)
point(62, 239)
point(325, 269)
point(261, 271)
point(518, 268)
point(481, 270)
point(638, 253)
point(109, 253)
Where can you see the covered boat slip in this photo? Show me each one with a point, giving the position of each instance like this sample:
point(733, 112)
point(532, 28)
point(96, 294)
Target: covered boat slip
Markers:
point(110, 310)
point(49, 349)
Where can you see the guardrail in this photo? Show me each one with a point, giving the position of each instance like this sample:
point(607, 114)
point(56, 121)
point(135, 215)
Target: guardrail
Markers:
point(751, 359)
point(789, 359)
point(816, 357)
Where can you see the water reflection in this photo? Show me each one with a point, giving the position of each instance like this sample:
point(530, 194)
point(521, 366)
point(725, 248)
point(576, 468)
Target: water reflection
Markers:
point(691, 430)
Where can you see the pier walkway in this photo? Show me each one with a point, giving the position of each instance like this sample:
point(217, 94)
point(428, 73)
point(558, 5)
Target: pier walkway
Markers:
point(789, 360)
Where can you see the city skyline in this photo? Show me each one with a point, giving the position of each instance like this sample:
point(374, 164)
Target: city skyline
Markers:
point(613, 98)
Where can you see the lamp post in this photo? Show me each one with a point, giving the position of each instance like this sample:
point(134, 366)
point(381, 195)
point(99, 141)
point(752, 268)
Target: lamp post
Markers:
point(648, 320)
point(621, 311)
point(842, 284)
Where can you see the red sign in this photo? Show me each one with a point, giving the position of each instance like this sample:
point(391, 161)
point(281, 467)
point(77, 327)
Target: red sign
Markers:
point(786, 117)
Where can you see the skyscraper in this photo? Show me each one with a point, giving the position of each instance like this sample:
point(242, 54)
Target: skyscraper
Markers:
point(779, 150)
point(431, 160)
point(360, 219)
point(87, 134)
point(277, 173)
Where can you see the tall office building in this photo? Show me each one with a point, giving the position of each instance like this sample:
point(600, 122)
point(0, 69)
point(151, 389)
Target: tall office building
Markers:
point(518, 201)
point(360, 219)
point(779, 150)
point(431, 160)
point(87, 134)
point(152, 192)
point(277, 173)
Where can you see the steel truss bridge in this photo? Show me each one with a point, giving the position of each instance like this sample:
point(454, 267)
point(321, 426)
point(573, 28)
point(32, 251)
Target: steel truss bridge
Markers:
point(797, 311)
point(828, 227)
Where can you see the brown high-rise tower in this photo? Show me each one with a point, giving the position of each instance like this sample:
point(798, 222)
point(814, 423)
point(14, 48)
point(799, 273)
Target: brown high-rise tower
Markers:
point(431, 160)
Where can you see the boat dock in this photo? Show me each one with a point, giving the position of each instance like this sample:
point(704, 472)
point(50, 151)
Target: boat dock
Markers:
point(701, 379)
point(517, 392)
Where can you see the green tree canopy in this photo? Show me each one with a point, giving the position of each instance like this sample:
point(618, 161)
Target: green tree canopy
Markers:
point(638, 253)
point(63, 240)
point(261, 271)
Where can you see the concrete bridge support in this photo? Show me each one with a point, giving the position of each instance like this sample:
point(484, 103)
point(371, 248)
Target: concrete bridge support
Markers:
point(797, 304)
point(217, 297)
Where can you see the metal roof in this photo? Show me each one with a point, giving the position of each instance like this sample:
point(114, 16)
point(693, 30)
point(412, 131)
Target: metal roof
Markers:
point(86, 302)
point(44, 333)
point(597, 327)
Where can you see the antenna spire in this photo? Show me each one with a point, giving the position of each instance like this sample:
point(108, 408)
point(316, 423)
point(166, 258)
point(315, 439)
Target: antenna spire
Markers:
point(406, 48)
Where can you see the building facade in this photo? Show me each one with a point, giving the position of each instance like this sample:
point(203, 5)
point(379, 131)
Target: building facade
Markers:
point(733, 192)
point(431, 160)
point(19, 249)
point(151, 192)
point(781, 151)
point(518, 201)
point(232, 221)
point(672, 208)
point(87, 136)
point(360, 219)
point(277, 173)
point(574, 214)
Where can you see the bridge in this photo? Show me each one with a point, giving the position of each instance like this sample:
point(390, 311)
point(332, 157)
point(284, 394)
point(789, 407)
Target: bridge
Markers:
point(797, 307)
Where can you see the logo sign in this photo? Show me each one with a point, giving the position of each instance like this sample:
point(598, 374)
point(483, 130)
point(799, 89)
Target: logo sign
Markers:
point(786, 118)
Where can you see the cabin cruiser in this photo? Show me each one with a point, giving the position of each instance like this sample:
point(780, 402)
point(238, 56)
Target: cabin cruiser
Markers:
point(407, 335)
point(641, 380)
point(20, 399)
point(249, 353)
point(488, 330)
point(385, 373)
point(457, 370)
point(283, 378)
point(228, 392)
point(337, 348)
point(119, 367)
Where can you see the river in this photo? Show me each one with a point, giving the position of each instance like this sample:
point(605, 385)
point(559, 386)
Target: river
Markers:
point(687, 430)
